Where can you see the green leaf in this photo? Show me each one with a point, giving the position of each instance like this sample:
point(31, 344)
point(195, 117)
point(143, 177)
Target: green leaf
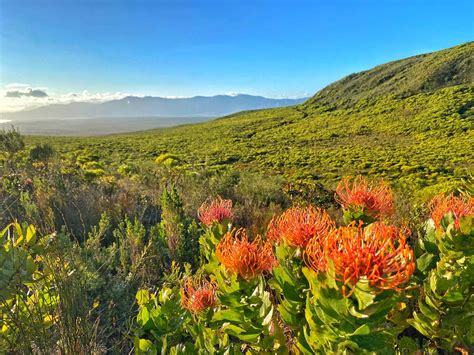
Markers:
point(362, 330)
point(229, 315)
point(143, 317)
point(31, 235)
point(143, 297)
point(426, 262)
point(422, 324)
point(30, 265)
point(407, 345)
point(381, 342)
point(447, 219)
point(144, 346)
point(288, 284)
point(466, 225)
point(19, 234)
point(364, 294)
point(165, 294)
point(233, 329)
point(428, 311)
point(250, 334)
point(268, 317)
point(291, 315)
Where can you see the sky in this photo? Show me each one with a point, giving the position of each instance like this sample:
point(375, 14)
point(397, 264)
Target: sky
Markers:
point(105, 49)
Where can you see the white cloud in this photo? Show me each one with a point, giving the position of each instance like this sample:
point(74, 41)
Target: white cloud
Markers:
point(17, 97)
point(17, 86)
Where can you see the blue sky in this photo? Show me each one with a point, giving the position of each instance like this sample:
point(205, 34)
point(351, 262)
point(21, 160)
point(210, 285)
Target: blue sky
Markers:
point(185, 48)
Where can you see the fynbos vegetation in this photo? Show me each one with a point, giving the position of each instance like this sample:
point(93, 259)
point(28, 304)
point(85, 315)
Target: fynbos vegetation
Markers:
point(342, 225)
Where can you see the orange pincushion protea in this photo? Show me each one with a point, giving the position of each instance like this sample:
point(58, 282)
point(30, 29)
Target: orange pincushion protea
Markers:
point(246, 258)
point(197, 296)
point(298, 225)
point(216, 210)
point(458, 206)
point(314, 255)
point(378, 254)
point(375, 200)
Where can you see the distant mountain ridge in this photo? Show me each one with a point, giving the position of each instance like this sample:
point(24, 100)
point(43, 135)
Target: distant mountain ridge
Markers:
point(148, 106)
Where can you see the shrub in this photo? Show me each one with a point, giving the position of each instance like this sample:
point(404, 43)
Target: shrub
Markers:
point(314, 287)
point(446, 266)
point(42, 152)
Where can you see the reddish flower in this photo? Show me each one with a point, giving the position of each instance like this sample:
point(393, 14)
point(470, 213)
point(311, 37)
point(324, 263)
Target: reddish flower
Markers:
point(244, 257)
point(216, 210)
point(441, 205)
point(298, 225)
point(378, 254)
point(375, 200)
point(197, 296)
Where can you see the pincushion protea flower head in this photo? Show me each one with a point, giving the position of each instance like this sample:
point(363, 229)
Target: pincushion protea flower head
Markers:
point(215, 210)
point(459, 207)
point(298, 225)
point(374, 200)
point(378, 254)
point(246, 258)
point(198, 295)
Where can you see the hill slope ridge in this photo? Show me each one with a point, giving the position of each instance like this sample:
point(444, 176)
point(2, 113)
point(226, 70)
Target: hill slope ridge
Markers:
point(405, 77)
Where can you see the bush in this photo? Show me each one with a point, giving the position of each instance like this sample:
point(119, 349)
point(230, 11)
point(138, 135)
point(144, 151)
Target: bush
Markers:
point(313, 287)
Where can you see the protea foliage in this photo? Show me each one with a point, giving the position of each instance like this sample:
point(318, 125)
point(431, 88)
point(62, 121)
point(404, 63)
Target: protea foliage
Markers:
point(309, 286)
point(446, 262)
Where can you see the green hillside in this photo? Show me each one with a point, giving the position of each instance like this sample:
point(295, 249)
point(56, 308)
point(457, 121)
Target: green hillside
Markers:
point(402, 78)
point(409, 121)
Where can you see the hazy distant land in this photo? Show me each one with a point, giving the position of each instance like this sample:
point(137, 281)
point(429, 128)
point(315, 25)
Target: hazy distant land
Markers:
point(96, 126)
point(132, 114)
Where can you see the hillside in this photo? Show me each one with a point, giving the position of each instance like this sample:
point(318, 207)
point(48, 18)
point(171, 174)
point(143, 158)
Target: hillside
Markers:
point(419, 74)
point(409, 121)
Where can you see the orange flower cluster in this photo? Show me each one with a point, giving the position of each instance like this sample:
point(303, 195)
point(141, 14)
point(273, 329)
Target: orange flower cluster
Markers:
point(441, 205)
point(246, 258)
point(216, 210)
point(375, 200)
point(197, 296)
point(378, 253)
point(298, 225)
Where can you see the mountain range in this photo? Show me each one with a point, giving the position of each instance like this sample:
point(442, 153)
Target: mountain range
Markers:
point(148, 106)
